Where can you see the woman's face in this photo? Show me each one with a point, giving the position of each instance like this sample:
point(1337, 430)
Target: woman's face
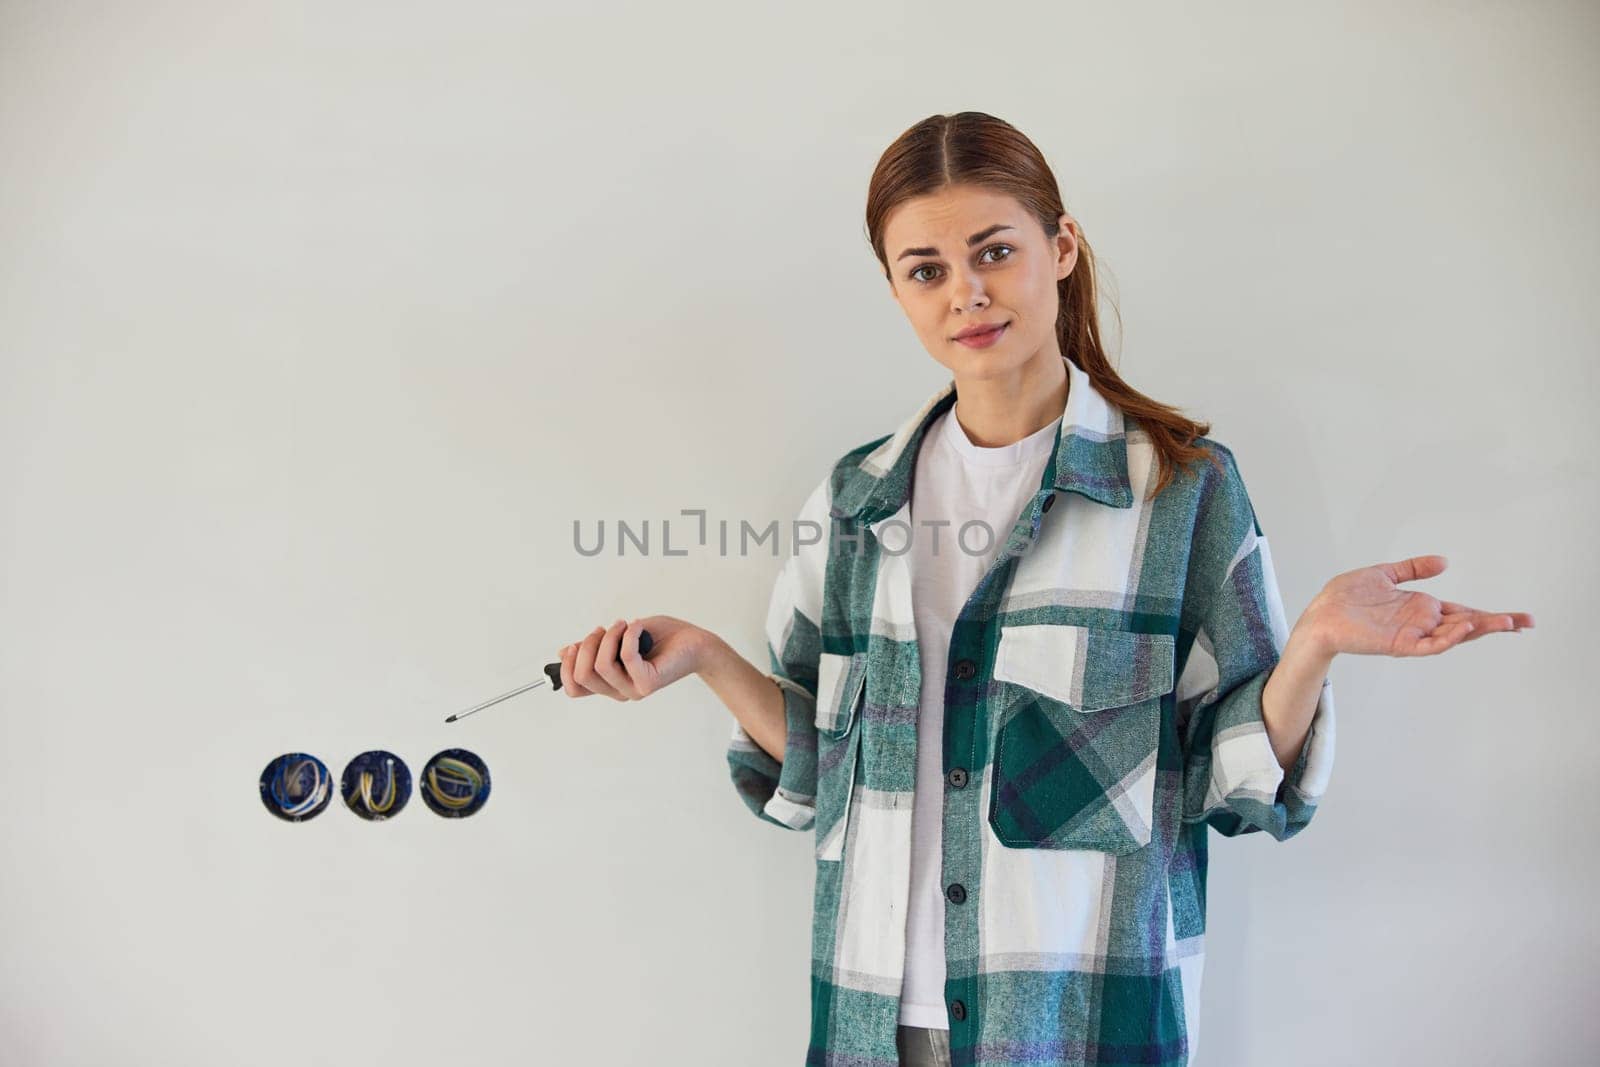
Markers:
point(967, 255)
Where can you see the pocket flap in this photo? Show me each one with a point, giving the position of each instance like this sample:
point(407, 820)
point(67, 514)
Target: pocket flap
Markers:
point(1088, 668)
point(840, 681)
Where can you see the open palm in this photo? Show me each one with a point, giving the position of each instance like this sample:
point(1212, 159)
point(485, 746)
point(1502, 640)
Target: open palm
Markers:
point(1365, 611)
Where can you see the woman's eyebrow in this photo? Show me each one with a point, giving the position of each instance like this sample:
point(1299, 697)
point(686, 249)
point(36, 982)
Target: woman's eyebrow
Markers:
point(974, 239)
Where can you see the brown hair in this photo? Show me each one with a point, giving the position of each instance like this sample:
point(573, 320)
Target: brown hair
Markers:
point(973, 148)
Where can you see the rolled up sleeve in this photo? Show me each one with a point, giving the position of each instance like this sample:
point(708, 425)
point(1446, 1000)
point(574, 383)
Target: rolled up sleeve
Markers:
point(784, 793)
point(1231, 777)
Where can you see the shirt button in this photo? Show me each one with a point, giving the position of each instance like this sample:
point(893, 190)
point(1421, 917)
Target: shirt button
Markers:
point(1051, 499)
point(958, 777)
point(965, 669)
point(958, 1010)
point(957, 893)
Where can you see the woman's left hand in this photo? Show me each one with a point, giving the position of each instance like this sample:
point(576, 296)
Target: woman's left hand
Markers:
point(1365, 612)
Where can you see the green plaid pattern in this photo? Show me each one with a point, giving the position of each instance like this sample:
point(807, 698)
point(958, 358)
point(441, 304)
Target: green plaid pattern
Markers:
point(1102, 709)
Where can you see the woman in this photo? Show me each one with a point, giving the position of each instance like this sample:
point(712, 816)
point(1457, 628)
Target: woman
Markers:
point(1010, 749)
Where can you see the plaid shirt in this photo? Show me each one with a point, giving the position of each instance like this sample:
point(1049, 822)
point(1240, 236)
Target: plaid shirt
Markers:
point(1102, 709)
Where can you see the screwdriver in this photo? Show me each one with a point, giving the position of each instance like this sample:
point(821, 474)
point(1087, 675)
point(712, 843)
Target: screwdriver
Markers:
point(553, 672)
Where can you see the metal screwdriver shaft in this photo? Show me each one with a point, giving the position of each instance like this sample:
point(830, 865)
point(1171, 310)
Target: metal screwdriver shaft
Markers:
point(553, 674)
point(496, 700)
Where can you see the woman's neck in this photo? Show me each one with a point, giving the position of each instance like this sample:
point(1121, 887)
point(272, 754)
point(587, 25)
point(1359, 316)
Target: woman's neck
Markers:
point(1003, 409)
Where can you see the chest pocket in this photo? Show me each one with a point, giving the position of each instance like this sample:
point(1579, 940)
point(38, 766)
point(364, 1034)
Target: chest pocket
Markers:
point(1079, 709)
point(841, 691)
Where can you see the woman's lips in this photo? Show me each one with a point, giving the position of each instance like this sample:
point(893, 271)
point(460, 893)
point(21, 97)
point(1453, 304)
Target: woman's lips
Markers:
point(985, 339)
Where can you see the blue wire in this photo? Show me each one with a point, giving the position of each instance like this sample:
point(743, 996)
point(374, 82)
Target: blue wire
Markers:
point(281, 781)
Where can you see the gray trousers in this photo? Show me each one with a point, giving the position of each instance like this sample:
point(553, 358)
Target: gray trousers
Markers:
point(923, 1046)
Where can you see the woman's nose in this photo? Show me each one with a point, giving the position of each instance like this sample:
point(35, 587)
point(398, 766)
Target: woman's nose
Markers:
point(967, 292)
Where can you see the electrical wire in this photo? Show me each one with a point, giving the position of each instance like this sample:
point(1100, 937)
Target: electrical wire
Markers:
point(293, 795)
point(454, 783)
point(378, 807)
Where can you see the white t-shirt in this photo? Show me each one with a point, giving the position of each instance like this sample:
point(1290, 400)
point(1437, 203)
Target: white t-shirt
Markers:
point(956, 482)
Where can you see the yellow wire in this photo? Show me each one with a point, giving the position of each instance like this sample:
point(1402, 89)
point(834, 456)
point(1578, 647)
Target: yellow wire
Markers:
point(458, 772)
point(365, 789)
point(388, 797)
point(447, 799)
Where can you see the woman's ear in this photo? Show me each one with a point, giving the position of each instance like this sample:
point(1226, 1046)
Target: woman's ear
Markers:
point(1066, 246)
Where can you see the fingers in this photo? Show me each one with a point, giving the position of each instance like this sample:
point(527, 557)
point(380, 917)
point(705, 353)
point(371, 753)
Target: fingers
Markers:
point(1443, 637)
point(1484, 622)
point(569, 685)
point(607, 661)
point(641, 672)
point(1487, 621)
point(1460, 624)
point(590, 666)
point(584, 678)
point(1414, 568)
point(608, 666)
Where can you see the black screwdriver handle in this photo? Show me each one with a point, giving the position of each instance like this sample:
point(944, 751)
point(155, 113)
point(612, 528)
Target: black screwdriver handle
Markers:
point(553, 670)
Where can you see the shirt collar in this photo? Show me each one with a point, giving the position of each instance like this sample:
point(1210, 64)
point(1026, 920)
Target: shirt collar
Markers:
point(1090, 455)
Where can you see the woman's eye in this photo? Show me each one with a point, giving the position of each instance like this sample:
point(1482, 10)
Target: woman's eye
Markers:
point(916, 275)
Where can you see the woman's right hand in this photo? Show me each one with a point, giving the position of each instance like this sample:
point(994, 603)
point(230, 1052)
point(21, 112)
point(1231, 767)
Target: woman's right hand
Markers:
point(590, 665)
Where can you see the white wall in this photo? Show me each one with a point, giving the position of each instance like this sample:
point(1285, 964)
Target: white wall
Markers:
point(319, 325)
